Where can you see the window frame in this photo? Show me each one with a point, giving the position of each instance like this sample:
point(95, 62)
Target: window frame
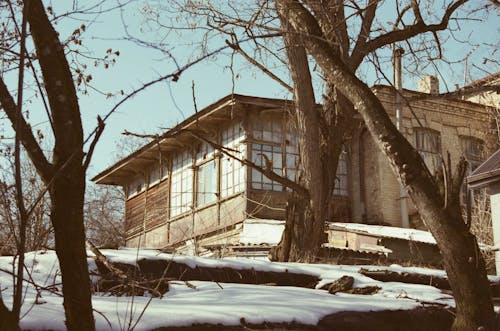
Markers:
point(232, 172)
point(206, 155)
point(428, 153)
point(181, 184)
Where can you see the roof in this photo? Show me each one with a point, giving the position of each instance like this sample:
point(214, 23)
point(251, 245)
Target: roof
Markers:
point(176, 138)
point(223, 109)
point(487, 173)
point(487, 80)
point(385, 231)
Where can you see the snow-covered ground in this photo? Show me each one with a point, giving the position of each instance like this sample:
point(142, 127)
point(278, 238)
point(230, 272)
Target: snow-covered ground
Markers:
point(209, 302)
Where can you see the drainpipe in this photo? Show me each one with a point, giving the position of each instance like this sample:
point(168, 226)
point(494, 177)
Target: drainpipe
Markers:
point(398, 85)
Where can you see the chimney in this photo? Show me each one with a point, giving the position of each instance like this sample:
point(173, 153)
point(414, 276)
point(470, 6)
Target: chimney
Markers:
point(428, 84)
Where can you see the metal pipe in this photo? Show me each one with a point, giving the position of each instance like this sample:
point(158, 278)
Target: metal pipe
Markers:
point(398, 85)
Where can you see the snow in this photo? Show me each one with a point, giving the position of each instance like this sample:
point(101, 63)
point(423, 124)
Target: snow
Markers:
point(262, 231)
point(387, 231)
point(215, 303)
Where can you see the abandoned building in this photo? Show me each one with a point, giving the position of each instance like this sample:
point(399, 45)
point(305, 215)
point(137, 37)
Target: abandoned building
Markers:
point(186, 191)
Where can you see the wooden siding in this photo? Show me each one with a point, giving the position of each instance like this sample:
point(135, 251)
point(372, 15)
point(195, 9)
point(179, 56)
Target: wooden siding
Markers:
point(157, 205)
point(134, 214)
point(266, 204)
point(150, 206)
point(181, 229)
point(206, 220)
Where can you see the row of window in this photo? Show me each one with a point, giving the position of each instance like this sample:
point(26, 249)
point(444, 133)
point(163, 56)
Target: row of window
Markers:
point(428, 144)
point(271, 145)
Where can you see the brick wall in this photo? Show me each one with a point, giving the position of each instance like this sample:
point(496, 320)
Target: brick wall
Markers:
point(451, 119)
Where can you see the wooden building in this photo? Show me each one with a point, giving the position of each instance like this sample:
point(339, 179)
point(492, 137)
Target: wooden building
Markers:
point(188, 190)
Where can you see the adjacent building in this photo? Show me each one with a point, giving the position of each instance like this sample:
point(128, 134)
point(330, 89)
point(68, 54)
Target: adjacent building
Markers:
point(189, 189)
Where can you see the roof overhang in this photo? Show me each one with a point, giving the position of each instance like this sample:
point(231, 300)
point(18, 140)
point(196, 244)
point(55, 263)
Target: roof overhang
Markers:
point(487, 173)
point(204, 121)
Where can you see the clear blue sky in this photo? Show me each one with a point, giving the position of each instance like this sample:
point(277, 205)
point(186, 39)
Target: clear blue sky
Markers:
point(167, 103)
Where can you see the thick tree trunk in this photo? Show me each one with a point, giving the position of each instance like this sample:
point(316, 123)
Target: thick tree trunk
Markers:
point(301, 238)
point(463, 261)
point(322, 133)
point(8, 320)
point(67, 176)
point(67, 195)
point(305, 215)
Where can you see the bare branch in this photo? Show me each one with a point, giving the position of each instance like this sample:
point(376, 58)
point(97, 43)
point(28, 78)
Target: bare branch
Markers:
point(237, 48)
point(408, 32)
point(43, 166)
point(267, 171)
point(364, 33)
point(100, 129)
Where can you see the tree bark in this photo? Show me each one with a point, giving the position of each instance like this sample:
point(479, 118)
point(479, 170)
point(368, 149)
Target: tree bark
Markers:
point(322, 133)
point(462, 259)
point(66, 175)
point(304, 214)
point(8, 320)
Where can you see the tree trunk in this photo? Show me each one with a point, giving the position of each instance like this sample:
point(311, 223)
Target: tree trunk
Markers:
point(304, 214)
point(301, 238)
point(462, 259)
point(8, 320)
point(67, 195)
point(67, 178)
point(322, 133)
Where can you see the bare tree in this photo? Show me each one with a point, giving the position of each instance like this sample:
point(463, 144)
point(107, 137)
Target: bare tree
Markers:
point(64, 175)
point(339, 47)
point(440, 212)
point(39, 234)
point(104, 216)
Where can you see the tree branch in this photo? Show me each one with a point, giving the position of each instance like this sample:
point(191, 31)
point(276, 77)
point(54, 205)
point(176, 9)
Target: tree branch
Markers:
point(267, 171)
point(43, 166)
point(237, 48)
point(408, 32)
point(59, 85)
point(364, 33)
point(100, 129)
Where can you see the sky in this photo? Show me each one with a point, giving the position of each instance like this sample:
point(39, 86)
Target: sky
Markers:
point(165, 104)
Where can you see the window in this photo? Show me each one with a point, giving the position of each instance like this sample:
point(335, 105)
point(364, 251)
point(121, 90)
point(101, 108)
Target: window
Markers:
point(473, 150)
point(232, 171)
point(207, 183)
point(267, 130)
point(267, 147)
point(181, 196)
point(154, 175)
point(136, 186)
point(207, 173)
point(164, 169)
point(428, 144)
point(292, 157)
point(341, 176)
point(261, 154)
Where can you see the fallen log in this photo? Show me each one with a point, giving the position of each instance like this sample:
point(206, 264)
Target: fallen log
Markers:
point(441, 283)
point(124, 281)
point(385, 275)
